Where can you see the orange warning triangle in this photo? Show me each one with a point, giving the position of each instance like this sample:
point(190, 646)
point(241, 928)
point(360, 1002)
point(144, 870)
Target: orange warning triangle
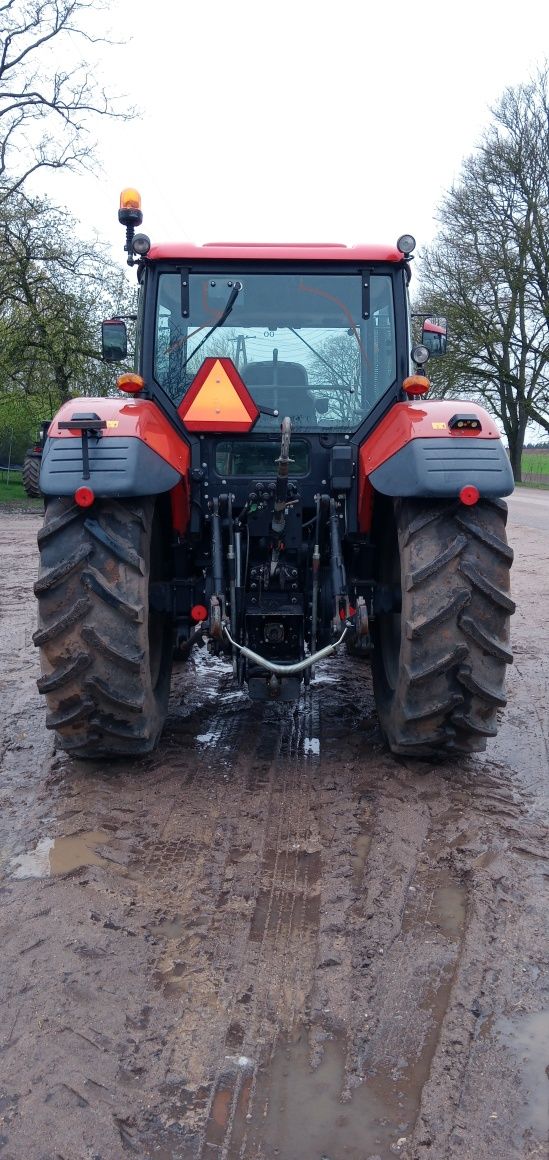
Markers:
point(218, 400)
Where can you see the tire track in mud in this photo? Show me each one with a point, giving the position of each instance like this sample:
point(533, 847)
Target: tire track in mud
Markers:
point(209, 885)
point(277, 963)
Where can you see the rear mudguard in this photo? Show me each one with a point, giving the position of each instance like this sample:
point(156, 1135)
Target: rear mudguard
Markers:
point(136, 453)
point(415, 451)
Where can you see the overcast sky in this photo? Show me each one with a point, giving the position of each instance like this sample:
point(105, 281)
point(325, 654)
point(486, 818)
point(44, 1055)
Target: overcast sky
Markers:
point(298, 120)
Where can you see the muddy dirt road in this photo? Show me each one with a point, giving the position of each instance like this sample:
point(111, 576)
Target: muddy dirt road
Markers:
point(272, 940)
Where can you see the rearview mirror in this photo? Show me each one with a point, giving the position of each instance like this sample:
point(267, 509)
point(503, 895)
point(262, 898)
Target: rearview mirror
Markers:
point(435, 336)
point(114, 340)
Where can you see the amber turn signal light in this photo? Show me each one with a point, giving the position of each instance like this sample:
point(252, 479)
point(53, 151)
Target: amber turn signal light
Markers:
point(416, 385)
point(131, 384)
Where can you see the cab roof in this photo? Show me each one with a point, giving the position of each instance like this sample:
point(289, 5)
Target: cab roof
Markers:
point(274, 252)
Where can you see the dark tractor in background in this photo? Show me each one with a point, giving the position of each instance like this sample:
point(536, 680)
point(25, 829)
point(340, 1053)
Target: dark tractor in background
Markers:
point(30, 473)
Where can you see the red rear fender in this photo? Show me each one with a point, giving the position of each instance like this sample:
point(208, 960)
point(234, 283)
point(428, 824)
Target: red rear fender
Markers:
point(426, 449)
point(139, 418)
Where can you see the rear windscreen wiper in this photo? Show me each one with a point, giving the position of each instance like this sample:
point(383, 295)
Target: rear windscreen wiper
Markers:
point(222, 318)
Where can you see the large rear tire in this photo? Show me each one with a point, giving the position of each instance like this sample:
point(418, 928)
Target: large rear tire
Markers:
point(439, 661)
point(30, 475)
point(106, 655)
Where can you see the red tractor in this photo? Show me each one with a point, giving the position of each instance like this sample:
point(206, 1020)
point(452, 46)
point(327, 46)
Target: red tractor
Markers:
point(273, 477)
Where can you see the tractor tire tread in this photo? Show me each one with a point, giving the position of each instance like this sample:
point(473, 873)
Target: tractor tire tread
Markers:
point(64, 673)
point(57, 525)
point(491, 696)
point(443, 665)
point(115, 545)
point(459, 600)
point(485, 586)
point(434, 709)
point(496, 543)
point(56, 575)
point(114, 696)
point(71, 714)
point(427, 517)
point(439, 693)
point(488, 643)
point(106, 655)
point(126, 659)
point(437, 563)
point(99, 586)
point(56, 628)
point(30, 476)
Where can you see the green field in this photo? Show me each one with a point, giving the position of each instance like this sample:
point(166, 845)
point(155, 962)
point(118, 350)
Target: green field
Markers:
point(536, 461)
point(14, 492)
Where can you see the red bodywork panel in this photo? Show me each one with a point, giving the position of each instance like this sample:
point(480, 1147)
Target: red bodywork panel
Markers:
point(273, 252)
point(141, 419)
point(406, 421)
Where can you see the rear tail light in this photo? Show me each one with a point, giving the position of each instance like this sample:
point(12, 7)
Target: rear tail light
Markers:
point(84, 497)
point(469, 494)
point(199, 613)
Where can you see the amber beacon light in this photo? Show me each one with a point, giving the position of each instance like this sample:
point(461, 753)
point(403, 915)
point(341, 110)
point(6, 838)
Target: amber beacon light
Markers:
point(130, 207)
point(131, 384)
point(130, 216)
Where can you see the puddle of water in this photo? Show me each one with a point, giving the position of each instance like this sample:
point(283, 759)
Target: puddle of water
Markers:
point(527, 1037)
point(437, 900)
point(448, 910)
point(362, 844)
point(207, 738)
point(298, 1111)
point(171, 927)
point(59, 855)
point(227, 1121)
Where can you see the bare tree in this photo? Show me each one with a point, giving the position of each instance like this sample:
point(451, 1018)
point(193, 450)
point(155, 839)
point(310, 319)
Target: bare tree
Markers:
point(53, 294)
point(488, 269)
point(46, 107)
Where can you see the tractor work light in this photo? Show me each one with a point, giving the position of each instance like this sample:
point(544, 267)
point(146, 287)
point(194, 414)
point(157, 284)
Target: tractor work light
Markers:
point(465, 423)
point(141, 244)
point(420, 354)
point(131, 384)
point(406, 244)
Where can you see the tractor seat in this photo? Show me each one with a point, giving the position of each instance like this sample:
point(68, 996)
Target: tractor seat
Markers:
point(282, 385)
